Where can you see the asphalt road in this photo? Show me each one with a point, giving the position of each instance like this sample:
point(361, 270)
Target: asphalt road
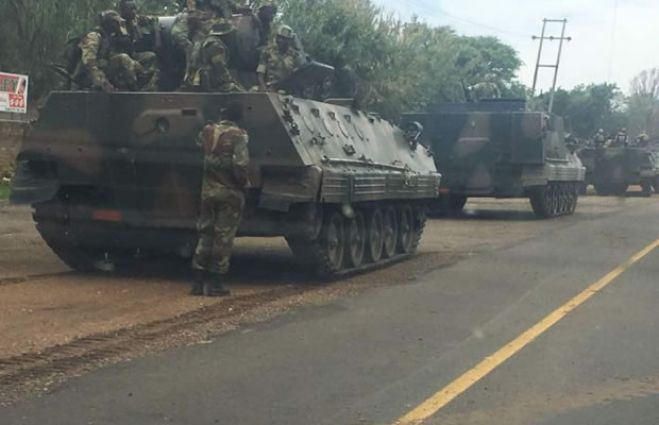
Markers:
point(375, 357)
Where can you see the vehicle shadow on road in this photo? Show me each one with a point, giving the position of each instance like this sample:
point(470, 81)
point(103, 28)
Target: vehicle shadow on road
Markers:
point(489, 215)
point(250, 266)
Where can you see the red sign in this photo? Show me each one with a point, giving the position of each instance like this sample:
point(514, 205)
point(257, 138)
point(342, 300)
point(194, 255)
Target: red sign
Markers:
point(13, 93)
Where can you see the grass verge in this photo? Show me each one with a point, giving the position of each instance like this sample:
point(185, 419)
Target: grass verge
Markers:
point(4, 191)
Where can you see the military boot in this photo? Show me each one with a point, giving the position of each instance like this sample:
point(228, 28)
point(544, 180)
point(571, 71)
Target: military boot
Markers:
point(198, 281)
point(214, 287)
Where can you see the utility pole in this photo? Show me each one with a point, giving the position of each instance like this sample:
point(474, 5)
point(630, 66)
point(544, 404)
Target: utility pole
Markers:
point(555, 65)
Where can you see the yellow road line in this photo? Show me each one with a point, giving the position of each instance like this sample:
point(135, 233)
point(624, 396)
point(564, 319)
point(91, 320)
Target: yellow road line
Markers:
point(443, 397)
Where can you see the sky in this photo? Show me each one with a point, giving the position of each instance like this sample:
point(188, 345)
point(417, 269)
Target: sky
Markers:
point(612, 40)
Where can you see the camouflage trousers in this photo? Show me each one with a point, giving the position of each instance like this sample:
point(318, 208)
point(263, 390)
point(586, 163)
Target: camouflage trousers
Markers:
point(218, 223)
point(208, 68)
point(140, 73)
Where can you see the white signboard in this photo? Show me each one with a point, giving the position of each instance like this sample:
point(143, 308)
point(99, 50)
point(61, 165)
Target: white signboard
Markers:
point(13, 93)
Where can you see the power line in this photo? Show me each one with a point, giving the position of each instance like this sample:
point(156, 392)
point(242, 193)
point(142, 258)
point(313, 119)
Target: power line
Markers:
point(414, 5)
point(427, 5)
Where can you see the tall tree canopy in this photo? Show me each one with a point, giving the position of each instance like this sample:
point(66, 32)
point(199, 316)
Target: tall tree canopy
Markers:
point(643, 103)
point(389, 65)
point(587, 108)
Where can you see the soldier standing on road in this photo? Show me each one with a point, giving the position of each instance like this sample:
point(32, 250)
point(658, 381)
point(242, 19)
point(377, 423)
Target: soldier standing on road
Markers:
point(225, 183)
point(107, 59)
point(279, 60)
point(199, 34)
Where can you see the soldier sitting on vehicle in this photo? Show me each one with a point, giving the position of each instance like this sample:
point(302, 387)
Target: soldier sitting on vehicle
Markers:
point(643, 140)
point(144, 31)
point(108, 62)
point(621, 140)
point(279, 60)
point(600, 138)
point(486, 89)
point(199, 34)
point(413, 133)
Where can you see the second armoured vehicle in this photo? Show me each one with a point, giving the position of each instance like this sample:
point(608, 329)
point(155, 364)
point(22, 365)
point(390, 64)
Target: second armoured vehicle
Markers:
point(499, 149)
point(613, 169)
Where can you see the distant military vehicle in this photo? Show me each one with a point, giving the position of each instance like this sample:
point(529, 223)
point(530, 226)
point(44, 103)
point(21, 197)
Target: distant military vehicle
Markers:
point(498, 149)
point(612, 170)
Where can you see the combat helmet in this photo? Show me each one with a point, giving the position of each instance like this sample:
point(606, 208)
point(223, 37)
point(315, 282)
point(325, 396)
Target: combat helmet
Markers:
point(111, 22)
point(267, 3)
point(286, 32)
point(222, 28)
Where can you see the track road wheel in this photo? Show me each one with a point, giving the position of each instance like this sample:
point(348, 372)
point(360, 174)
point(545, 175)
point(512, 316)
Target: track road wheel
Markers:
point(419, 227)
point(574, 198)
point(555, 200)
point(374, 236)
point(541, 201)
point(406, 229)
point(390, 239)
point(355, 240)
point(332, 244)
point(565, 198)
point(655, 185)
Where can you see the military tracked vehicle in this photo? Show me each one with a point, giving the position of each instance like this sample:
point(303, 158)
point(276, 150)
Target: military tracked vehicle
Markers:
point(612, 170)
point(114, 175)
point(117, 174)
point(499, 149)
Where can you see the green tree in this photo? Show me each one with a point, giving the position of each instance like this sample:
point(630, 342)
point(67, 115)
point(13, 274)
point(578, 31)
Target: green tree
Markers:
point(643, 103)
point(587, 108)
point(391, 66)
point(34, 32)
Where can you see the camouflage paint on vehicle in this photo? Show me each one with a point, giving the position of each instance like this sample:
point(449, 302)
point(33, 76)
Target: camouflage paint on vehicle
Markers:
point(611, 170)
point(498, 149)
point(117, 173)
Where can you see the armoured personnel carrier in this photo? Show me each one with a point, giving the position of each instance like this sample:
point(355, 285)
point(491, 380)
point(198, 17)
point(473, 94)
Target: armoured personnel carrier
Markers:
point(612, 170)
point(114, 175)
point(117, 174)
point(499, 149)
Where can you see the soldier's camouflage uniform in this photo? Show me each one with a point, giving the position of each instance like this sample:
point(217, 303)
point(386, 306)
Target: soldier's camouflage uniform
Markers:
point(225, 182)
point(599, 139)
point(277, 66)
point(207, 60)
point(104, 60)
